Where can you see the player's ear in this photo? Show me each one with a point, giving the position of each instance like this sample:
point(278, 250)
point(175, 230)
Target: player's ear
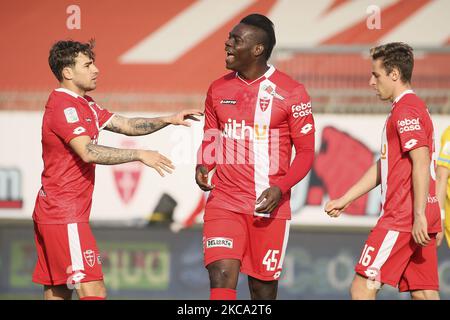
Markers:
point(258, 50)
point(67, 73)
point(395, 74)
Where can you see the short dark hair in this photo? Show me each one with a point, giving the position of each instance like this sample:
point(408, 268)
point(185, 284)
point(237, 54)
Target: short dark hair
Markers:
point(63, 54)
point(263, 23)
point(395, 55)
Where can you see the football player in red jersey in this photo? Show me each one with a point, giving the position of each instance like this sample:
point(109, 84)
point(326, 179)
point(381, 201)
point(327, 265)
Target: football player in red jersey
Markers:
point(68, 256)
point(401, 248)
point(253, 117)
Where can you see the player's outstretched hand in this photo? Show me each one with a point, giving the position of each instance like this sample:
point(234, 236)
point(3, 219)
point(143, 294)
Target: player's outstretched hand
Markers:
point(201, 177)
point(181, 117)
point(156, 161)
point(420, 231)
point(268, 200)
point(334, 208)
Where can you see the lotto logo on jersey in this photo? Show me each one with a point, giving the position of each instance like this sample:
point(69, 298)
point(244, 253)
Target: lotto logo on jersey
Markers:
point(301, 110)
point(407, 125)
point(219, 242)
point(79, 130)
point(411, 143)
point(306, 128)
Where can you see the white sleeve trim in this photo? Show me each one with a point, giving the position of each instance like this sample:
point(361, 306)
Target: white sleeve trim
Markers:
point(106, 122)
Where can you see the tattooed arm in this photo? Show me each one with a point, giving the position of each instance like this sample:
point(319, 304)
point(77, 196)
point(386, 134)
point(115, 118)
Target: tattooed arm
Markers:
point(136, 126)
point(143, 126)
point(92, 153)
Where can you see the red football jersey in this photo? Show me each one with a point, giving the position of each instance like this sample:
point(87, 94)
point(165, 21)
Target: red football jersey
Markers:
point(67, 181)
point(250, 126)
point(407, 127)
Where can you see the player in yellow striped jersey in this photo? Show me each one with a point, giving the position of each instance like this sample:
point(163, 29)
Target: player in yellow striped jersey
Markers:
point(443, 182)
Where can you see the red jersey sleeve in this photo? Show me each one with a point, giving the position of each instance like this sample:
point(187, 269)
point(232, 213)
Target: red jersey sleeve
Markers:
point(300, 118)
point(301, 164)
point(66, 122)
point(104, 116)
point(206, 154)
point(411, 126)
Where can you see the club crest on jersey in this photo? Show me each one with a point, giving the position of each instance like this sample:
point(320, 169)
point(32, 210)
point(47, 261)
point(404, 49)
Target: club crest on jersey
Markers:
point(89, 257)
point(71, 115)
point(227, 101)
point(264, 104)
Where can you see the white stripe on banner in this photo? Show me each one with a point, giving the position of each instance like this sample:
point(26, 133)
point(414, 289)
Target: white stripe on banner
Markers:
point(183, 32)
point(385, 249)
point(76, 255)
point(263, 112)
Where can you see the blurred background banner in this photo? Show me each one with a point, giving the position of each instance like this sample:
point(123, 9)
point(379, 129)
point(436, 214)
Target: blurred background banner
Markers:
point(158, 57)
point(162, 55)
point(131, 194)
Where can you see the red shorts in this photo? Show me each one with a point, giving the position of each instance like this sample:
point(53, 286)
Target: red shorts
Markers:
point(393, 258)
point(258, 243)
point(66, 254)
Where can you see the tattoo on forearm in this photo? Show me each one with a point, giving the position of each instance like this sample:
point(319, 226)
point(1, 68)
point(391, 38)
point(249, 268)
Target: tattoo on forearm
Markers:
point(116, 124)
point(135, 126)
point(141, 126)
point(108, 155)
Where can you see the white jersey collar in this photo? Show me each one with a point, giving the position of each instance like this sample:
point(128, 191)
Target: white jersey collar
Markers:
point(69, 92)
point(408, 91)
point(266, 75)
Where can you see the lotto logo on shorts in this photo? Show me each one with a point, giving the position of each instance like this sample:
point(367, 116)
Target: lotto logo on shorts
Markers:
point(219, 242)
point(407, 125)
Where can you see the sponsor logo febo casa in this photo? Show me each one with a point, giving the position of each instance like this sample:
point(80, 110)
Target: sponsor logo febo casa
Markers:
point(301, 110)
point(240, 131)
point(406, 125)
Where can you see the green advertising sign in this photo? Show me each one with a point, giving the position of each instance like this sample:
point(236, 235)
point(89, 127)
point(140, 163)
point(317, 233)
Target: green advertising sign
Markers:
point(126, 266)
point(135, 266)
